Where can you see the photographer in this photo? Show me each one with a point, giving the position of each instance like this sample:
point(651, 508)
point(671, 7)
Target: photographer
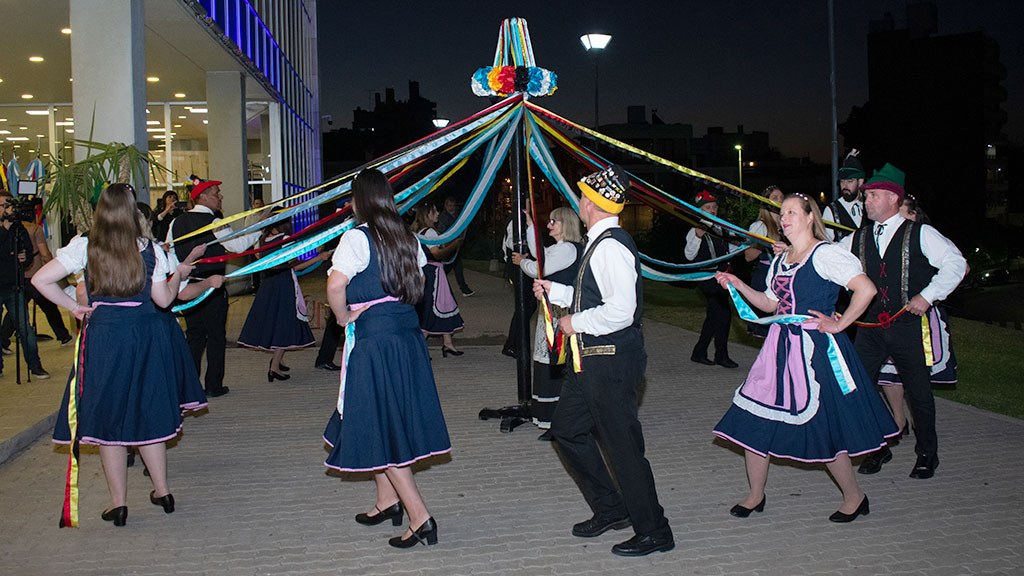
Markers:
point(40, 255)
point(15, 252)
point(168, 209)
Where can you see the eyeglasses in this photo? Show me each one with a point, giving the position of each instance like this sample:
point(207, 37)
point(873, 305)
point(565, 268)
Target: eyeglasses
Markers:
point(553, 220)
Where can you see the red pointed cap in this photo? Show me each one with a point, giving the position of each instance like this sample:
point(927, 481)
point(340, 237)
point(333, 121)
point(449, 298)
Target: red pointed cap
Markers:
point(202, 186)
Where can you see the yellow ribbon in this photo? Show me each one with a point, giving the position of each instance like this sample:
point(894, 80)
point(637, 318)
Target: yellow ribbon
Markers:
point(926, 334)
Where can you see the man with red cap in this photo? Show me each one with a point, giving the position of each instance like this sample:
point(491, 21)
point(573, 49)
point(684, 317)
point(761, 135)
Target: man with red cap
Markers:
point(206, 323)
point(913, 267)
point(701, 246)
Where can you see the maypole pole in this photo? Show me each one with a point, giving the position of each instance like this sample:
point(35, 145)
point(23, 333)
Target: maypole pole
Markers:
point(515, 72)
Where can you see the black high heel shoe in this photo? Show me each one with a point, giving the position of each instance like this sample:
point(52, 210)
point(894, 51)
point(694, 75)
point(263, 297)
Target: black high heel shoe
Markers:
point(425, 534)
point(167, 501)
point(271, 376)
point(117, 515)
point(742, 511)
point(445, 351)
point(394, 512)
point(283, 368)
point(862, 509)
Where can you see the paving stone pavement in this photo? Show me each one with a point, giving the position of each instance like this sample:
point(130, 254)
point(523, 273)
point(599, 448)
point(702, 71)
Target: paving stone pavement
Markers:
point(253, 496)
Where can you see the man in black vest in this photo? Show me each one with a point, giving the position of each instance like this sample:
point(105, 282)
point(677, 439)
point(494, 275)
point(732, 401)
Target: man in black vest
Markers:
point(913, 267)
point(206, 323)
point(701, 246)
point(848, 209)
point(600, 394)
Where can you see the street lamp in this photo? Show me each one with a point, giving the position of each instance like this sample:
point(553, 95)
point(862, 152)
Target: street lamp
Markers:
point(595, 43)
point(739, 150)
point(440, 122)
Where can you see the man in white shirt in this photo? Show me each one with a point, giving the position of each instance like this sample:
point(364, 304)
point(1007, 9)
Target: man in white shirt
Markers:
point(606, 304)
point(206, 323)
point(913, 267)
point(848, 209)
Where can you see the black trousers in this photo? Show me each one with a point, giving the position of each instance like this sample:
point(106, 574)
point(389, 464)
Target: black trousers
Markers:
point(329, 345)
point(603, 399)
point(717, 322)
point(902, 341)
point(205, 330)
point(514, 335)
point(50, 310)
point(460, 275)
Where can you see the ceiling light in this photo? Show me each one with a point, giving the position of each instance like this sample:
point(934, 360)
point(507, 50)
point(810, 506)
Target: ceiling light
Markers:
point(182, 117)
point(5, 131)
point(177, 125)
point(153, 122)
point(152, 79)
point(16, 138)
point(71, 79)
point(179, 95)
point(1, 80)
point(37, 112)
point(159, 136)
point(3, 119)
point(65, 31)
point(154, 129)
point(69, 130)
point(16, 146)
point(198, 110)
point(63, 123)
point(22, 127)
point(69, 119)
point(35, 58)
point(26, 96)
point(147, 110)
point(206, 121)
point(40, 136)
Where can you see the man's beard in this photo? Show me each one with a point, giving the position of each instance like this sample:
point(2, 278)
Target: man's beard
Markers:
point(849, 195)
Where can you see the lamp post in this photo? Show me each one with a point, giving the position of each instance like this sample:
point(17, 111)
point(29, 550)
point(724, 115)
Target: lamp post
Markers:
point(739, 150)
point(594, 44)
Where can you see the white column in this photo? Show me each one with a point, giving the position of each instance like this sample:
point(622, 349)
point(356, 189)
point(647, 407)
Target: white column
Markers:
point(169, 148)
point(108, 63)
point(225, 99)
point(276, 153)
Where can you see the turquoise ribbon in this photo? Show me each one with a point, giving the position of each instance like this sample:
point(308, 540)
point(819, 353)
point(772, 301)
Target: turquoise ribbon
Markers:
point(840, 369)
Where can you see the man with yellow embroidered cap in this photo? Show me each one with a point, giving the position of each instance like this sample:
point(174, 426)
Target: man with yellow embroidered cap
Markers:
point(206, 323)
point(913, 267)
point(600, 394)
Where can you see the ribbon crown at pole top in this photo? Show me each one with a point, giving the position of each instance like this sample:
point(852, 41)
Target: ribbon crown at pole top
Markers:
point(514, 69)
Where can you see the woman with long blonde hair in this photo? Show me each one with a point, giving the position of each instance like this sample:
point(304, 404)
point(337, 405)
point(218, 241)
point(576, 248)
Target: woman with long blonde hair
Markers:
point(132, 393)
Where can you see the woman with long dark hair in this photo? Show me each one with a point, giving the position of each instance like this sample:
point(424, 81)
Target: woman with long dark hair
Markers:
point(388, 414)
point(439, 312)
point(132, 393)
point(807, 397)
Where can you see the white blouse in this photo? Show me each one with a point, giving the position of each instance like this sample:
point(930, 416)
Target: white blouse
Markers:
point(352, 255)
point(75, 255)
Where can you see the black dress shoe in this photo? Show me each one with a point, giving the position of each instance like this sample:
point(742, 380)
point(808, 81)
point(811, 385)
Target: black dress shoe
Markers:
point(510, 352)
point(425, 534)
point(218, 392)
point(283, 368)
point(167, 501)
point(742, 511)
point(861, 509)
point(701, 360)
point(599, 525)
point(925, 466)
point(726, 363)
point(445, 351)
point(271, 376)
point(643, 545)
point(329, 366)
point(873, 463)
point(117, 515)
point(394, 512)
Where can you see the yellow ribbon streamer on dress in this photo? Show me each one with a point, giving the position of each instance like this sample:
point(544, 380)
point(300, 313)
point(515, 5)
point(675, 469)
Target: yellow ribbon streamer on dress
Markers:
point(926, 333)
point(69, 512)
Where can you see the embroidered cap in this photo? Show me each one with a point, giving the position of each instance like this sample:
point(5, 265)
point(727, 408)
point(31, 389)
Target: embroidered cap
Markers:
point(202, 187)
point(705, 197)
point(888, 178)
point(607, 188)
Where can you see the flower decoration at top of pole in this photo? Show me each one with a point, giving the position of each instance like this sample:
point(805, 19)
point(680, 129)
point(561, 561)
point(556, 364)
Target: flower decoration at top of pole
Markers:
point(514, 69)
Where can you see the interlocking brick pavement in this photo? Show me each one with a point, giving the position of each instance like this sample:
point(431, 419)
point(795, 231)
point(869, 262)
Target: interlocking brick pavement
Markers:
point(254, 498)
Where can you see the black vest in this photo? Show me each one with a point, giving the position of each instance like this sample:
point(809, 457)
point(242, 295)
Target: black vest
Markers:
point(189, 222)
point(588, 295)
point(568, 275)
point(900, 275)
point(843, 217)
point(712, 247)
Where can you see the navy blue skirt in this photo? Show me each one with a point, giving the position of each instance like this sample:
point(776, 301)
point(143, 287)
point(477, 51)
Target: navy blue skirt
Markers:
point(273, 322)
point(392, 415)
point(138, 376)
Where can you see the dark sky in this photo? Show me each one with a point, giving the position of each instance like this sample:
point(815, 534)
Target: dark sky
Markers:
point(708, 63)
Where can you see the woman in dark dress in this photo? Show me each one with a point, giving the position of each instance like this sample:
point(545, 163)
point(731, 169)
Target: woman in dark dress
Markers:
point(438, 311)
point(807, 397)
point(277, 320)
point(388, 414)
point(131, 394)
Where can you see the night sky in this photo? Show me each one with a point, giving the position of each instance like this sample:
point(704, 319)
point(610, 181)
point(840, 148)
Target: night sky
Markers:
point(760, 64)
